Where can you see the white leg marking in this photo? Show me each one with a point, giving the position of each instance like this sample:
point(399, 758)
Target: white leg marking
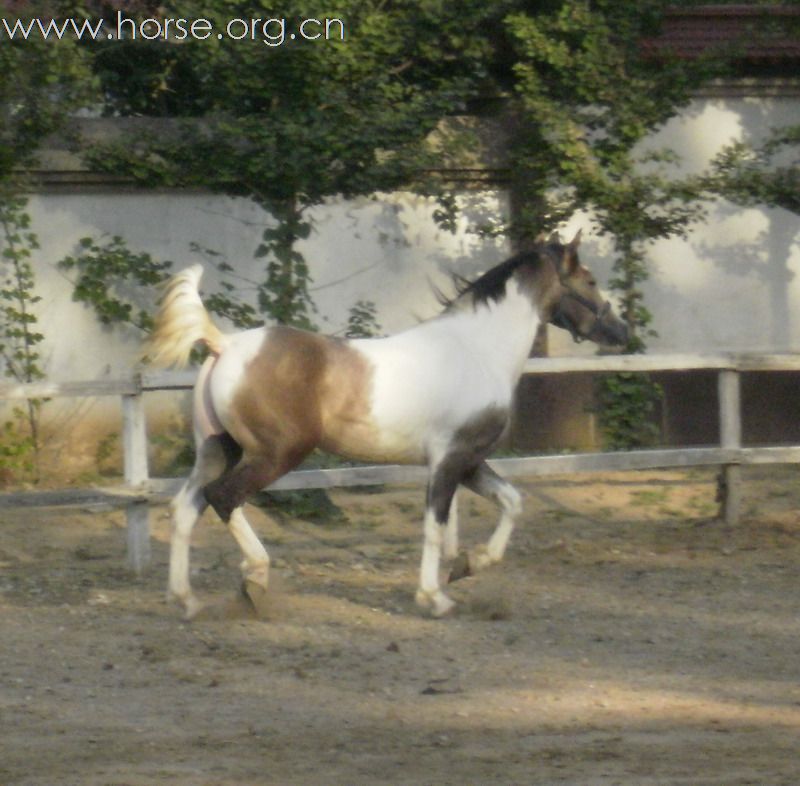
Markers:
point(511, 503)
point(255, 566)
point(450, 544)
point(187, 507)
point(489, 484)
point(429, 594)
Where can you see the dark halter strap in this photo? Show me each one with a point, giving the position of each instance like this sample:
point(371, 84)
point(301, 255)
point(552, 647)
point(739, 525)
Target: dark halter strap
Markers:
point(559, 317)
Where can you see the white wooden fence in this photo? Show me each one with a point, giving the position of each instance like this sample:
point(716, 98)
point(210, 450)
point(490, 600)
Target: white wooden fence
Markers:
point(140, 488)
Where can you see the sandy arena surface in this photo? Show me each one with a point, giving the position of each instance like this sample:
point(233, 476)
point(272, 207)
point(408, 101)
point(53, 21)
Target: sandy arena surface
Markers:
point(629, 638)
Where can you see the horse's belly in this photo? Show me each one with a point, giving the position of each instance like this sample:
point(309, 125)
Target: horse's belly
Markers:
point(367, 441)
point(406, 435)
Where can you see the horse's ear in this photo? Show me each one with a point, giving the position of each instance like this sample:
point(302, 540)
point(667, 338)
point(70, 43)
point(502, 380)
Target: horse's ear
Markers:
point(569, 263)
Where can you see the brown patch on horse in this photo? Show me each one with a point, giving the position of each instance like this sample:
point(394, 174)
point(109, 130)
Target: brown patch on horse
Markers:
point(345, 403)
point(302, 391)
point(274, 407)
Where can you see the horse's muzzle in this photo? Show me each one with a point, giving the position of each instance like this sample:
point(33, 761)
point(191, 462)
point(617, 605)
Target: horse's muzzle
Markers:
point(610, 330)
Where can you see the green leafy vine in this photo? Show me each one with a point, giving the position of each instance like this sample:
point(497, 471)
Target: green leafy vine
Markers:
point(19, 336)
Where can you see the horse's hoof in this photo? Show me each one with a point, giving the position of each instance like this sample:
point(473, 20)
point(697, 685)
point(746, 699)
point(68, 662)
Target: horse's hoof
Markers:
point(259, 597)
point(191, 608)
point(436, 602)
point(460, 568)
point(479, 559)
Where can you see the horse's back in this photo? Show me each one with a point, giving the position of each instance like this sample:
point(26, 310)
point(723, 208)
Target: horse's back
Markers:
point(380, 399)
point(432, 375)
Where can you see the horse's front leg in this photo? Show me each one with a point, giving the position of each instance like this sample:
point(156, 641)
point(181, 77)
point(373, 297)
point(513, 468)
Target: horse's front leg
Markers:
point(430, 595)
point(441, 489)
point(487, 483)
point(450, 542)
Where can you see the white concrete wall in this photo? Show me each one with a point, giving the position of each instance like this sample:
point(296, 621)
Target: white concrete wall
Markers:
point(731, 285)
point(387, 250)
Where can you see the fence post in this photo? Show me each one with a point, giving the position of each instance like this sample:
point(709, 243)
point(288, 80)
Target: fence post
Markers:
point(136, 474)
point(730, 430)
point(137, 516)
point(134, 440)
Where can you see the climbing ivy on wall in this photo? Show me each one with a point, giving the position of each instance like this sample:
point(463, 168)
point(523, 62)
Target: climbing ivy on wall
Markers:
point(40, 84)
point(19, 334)
point(117, 283)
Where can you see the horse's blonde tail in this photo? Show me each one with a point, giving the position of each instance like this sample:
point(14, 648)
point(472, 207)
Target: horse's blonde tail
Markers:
point(181, 322)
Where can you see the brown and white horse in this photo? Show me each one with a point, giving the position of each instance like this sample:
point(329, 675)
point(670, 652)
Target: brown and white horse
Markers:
point(438, 394)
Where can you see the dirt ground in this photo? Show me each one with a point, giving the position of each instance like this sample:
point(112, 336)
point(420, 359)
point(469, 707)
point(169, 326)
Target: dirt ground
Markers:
point(629, 638)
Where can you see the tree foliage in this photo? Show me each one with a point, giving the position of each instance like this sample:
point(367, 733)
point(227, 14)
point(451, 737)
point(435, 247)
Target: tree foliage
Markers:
point(586, 96)
point(40, 84)
point(762, 174)
point(19, 334)
point(362, 321)
point(568, 84)
point(292, 126)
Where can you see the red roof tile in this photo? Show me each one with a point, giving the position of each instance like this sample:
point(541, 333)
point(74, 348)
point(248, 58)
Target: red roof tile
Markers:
point(755, 33)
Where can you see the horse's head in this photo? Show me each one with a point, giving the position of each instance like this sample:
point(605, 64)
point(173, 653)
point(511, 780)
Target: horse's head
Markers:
point(571, 298)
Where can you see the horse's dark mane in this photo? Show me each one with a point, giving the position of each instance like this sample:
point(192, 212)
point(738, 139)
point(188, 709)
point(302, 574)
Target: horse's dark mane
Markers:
point(488, 287)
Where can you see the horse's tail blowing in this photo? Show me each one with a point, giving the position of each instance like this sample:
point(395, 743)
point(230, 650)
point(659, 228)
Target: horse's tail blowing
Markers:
point(181, 322)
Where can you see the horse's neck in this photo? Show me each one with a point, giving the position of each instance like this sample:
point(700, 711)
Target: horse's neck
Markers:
point(500, 332)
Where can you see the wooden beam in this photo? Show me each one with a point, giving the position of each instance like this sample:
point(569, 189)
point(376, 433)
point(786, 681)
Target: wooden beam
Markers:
point(134, 425)
point(529, 466)
point(778, 454)
point(730, 431)
point(162, 489)
point(169, 380)
point(184, 380)
point(138, 536)
point(753, 361)
point(627, 363)
point(116, 496)
point(100, 387)
point(668, 458)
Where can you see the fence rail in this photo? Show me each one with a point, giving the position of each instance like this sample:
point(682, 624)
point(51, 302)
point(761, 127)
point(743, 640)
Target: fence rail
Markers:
point(140, 488)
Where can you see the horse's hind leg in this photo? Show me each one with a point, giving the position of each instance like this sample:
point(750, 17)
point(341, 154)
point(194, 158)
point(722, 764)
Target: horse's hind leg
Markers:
point(228, 493)
point(255, 565)
point(214, 456)
point(187, 506)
